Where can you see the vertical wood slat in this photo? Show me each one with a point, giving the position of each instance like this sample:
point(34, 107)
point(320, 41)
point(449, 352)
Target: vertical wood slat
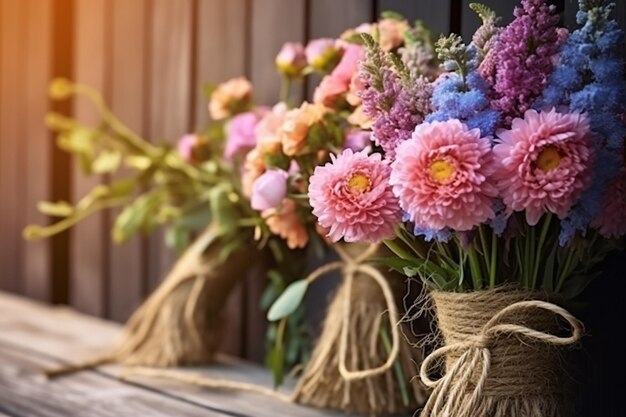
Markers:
point(434, 13)
point(89, 243)
point(171, 103)
point(13, 15)
point(128, 93)
point(273, 22)
point(221, 37)
point(329, 19)
point(36, 145)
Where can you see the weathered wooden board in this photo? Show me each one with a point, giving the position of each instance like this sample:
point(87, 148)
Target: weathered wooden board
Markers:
point(23, 392)
point(47, 335)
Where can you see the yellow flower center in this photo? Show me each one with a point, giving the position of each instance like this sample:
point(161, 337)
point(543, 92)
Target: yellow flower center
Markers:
point(358, 183)
point(548, 159)
point(441, 171)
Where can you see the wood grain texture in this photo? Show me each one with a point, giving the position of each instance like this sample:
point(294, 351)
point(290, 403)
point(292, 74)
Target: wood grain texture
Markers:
point(23, 392)
point(274, 22)
point(89, 244)
point(435, 13)
point(329, 19)
point(46, 335)
point(221, 48)
point(220, 54)
point(36, 146)
point(12, 48)
point(171, 101)
point(129, 93)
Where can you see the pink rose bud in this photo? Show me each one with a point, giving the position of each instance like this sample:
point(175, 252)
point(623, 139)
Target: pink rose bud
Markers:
point(193, 148)
point(269, 190)
point(291, 59)
point(322, 54)
point(357, 140)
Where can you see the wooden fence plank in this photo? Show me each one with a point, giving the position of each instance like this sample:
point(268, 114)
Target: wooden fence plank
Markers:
point(221, 48)
point(37, 144)
point(12, 46)
point(171, 102)
point(89, 243)
point(221, 53)
point(129, 93)
point(435, 13)
point(274, 22)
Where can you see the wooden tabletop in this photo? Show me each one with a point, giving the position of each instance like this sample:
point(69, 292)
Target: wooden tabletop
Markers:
point(34, 336)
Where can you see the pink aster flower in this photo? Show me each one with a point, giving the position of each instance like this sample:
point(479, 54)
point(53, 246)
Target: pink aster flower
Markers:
point(544, 163)
point(351, 197)
point(443, 176)
point(611, 221)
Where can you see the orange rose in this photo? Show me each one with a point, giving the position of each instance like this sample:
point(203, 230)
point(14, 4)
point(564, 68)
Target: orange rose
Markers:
point(230, 97)
point(285, 223)
point(296, 126)
point(392, 33)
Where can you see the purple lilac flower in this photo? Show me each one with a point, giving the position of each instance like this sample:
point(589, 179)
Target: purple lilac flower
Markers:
point(523, 57)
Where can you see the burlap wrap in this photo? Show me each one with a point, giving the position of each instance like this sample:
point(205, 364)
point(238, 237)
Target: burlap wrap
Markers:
point(502, 356)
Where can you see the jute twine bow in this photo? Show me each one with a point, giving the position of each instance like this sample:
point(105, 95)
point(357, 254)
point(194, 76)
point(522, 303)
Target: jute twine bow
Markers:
point(350, 267)
point(450, 395)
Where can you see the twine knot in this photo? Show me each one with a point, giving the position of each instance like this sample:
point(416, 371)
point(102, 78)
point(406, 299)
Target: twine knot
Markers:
point(459, 392)
point(351, 266)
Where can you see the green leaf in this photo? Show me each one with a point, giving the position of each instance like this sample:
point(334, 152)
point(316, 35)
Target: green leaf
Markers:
point(390, 14)
point(574, 285)
point(223, 212)
point(275, 360)
point(177, 238)
point(122, 188)
point(76, 141)
point(289, 300)
point(106, 162)
point(137, 216)
point(58, 209)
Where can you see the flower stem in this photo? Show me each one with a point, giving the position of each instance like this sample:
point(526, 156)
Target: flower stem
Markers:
point(542, 239)
point(475, 268)
point(494, 257)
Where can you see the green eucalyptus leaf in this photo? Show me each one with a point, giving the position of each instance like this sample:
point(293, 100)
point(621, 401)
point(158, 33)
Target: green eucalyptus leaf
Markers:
point(106, 162)
point(223, 212)
point(289, 300)
point(76, 141)
point(58, 209)
point(122, 188)
point(177, 238)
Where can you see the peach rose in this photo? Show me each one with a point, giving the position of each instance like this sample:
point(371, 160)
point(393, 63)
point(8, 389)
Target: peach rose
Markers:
point(230, 97)
point(285, 223)
point(295, 129)
point(392, 33)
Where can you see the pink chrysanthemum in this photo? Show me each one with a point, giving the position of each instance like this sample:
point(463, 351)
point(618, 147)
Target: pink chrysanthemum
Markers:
point(544, 163)
point(351, 196)
point(443, 176)
point(611, 221)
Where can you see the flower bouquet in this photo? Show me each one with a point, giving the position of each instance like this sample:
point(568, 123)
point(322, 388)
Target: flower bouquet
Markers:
point(360, 362)
point(194, 190)
point(501, 184)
